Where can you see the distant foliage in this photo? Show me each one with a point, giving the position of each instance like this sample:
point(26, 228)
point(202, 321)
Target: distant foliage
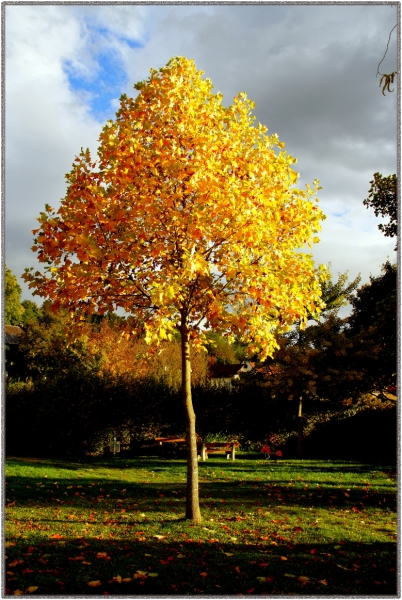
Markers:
point(382, 197)
point(14, 311)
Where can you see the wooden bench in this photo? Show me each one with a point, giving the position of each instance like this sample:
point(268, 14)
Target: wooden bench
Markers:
point(204, 448)
point(162, 440)
point(228, 448)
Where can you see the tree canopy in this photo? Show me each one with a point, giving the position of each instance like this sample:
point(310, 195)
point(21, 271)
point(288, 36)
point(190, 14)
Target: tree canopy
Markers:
point(190, 212)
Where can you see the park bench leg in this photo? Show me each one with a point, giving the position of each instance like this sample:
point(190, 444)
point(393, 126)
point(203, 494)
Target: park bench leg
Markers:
point(232, 453)
point(204, 455)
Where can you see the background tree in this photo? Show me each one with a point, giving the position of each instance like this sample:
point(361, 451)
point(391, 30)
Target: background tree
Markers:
point(335, 296)
point(382, 198)
point(219, 350)
point(373, 330)
point(188, 218)
point(13, 309)
point(32, 313)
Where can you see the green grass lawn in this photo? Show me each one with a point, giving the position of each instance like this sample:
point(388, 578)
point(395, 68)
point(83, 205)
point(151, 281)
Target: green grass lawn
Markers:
point(101, 527)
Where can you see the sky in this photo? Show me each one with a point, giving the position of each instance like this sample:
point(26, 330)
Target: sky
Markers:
point(310, 69)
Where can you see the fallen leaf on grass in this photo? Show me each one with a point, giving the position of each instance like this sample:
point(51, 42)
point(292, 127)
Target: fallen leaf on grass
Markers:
point(15, 563)
point(283, 558)
point(153, 575)
point(31, 588)
point(323, 581)
point(344, 568)
point(126, 579)
point(117, 578)
point(18, 593)
point(237, 569)
point(290, 575)
point(228, 553)
point(203, 574)
point(56, 536)
point(159, 537)
point(304, 578)
point(94, 583)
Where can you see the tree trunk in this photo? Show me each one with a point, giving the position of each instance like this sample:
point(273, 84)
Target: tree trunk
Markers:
point(300, 429)
point(192, 497)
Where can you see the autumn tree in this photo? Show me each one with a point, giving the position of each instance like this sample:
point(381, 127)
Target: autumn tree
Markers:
point(189, 220)
point(13, 308)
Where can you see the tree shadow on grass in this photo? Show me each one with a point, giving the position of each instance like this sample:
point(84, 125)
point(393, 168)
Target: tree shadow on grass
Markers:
point(84, 492)
point(194, 565)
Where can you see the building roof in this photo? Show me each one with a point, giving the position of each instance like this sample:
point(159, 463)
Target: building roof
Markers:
point(218, 370)
point(12, 334)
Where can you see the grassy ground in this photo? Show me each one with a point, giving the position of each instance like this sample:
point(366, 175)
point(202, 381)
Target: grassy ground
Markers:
point(103, 527)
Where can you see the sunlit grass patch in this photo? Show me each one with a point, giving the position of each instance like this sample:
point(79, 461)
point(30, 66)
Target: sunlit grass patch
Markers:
point(302, 527)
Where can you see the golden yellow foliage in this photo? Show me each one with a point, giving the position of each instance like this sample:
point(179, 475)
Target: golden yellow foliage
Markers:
point(190, 215)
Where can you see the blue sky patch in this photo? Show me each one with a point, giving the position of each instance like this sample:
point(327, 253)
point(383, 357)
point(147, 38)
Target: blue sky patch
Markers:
point(108, 83)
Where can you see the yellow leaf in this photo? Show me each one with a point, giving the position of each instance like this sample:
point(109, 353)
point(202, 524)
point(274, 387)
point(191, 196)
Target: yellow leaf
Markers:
point(153, 575)
point(31, 588)
point(289, 575)
point(323, 581)
point(127, 579)
point(95, 583)
point(18, 593)
point(283, 558)
point(228, 553)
